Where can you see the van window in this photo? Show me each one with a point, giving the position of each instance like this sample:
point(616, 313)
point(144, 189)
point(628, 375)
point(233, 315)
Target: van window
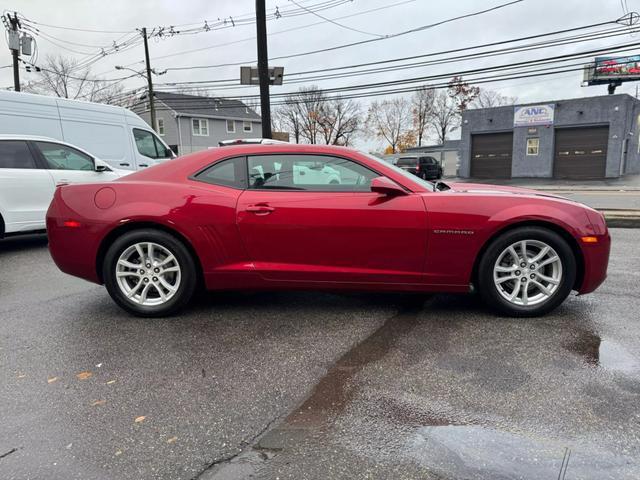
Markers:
point(62, 157)
point(15, 154)
point(149, 145)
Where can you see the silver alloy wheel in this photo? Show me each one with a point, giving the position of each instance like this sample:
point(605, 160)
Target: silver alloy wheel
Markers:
point(148, 274)
point(527, 272)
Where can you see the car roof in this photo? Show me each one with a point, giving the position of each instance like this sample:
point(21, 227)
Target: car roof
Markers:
point(35, 138)
point(194, 161)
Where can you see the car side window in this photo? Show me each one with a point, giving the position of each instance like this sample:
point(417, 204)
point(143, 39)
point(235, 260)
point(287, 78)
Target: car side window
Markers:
point(149, 145)
point(15, 154)
point(229, 173)
point(62, 157)
point(308, 172)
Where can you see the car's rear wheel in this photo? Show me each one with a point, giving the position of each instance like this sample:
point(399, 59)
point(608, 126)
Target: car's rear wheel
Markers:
point(149, 273)
point(526, 272)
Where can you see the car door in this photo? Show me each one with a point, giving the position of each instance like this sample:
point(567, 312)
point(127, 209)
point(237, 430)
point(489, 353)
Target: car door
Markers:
point(70, 165)
point(328, 231)
point(26, 189)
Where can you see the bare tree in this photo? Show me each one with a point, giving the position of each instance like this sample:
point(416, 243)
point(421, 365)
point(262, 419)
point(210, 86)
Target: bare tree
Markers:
point(390, 120)
point(449, 106)
point(340, 120)
point(445, 118)
point(286, 118)
point(491, 98)
point(309, 103)
point(310, 116)
point(422, 103)
point(62, 77)
point(462, 93)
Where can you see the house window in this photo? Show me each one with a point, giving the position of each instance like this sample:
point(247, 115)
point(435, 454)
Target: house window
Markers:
point(231, 126)
point(200, 127)
point(533, 146)
point(160, 126)
point(247, 126)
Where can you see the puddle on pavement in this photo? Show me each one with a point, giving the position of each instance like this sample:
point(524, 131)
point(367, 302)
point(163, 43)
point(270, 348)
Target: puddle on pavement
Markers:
point(599, 352)
point(334, 391)
point(464, 451)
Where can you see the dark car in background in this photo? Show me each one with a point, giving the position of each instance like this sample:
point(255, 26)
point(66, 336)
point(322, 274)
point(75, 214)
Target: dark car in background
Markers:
point(427, 168)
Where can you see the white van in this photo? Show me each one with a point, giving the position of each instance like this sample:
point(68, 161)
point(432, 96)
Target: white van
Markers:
point(113, 134)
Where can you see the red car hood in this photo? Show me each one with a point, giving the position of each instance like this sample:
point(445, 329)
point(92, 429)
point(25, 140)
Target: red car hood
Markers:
point(498, 189)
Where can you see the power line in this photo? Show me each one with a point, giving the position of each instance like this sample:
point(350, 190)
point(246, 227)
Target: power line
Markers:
point(278, 32)
point(385, 92)
point(361, 42)
point(160, 32)
point(448, 75)
point(449, 59)
point(346, 27)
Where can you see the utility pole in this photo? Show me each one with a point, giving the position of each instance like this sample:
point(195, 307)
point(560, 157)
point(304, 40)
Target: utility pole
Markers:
point(152, 107)
point(263, 67)
point(14, 45)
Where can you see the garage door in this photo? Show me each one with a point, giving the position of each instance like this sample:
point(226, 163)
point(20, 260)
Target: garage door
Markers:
point(581, 152)
point(491, 155)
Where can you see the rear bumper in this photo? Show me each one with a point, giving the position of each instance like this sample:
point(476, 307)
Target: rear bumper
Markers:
point(73, 249)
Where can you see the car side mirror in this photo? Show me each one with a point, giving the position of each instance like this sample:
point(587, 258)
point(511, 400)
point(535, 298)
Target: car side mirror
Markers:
point(386, 186)
point(102, 168)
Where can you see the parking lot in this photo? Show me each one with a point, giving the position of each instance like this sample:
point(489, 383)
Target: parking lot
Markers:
point(310, 385)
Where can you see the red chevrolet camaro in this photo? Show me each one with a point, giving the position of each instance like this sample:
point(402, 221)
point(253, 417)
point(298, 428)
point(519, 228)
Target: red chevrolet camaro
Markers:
point(317, 217)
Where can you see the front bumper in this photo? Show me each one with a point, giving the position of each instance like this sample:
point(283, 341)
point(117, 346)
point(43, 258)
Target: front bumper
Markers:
point(596, 262)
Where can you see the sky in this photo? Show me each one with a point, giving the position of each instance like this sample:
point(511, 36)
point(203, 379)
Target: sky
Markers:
point(118, 19)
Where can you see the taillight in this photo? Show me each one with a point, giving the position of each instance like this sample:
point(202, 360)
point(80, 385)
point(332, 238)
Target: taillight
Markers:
point(71, 223)
point(417, 168)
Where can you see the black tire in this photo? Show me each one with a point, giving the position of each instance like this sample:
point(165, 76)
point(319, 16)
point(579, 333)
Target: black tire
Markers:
point(489, 291)
point(188, 279)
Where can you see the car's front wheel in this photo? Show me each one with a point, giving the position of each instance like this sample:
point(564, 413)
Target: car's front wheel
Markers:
point(526, 272)
point(149, 273)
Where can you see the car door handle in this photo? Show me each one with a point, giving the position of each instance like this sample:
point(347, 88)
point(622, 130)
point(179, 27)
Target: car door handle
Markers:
point(260, 209)
point(62, 181)
point(143, 165)
point(125, 165)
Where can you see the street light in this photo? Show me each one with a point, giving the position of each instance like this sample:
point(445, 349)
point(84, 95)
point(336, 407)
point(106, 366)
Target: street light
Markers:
point(153, 70)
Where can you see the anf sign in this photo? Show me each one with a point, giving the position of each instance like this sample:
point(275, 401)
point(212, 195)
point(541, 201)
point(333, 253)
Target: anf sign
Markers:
point(533, 115)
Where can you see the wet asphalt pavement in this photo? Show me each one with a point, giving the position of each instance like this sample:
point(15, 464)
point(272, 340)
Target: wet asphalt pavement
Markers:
point(310, 385)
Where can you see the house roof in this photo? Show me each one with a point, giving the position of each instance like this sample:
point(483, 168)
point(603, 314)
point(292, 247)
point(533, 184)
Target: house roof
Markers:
point(198, 106)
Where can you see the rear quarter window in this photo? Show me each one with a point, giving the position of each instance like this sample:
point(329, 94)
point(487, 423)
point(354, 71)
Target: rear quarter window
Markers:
point(15, 154)
point(228, 173)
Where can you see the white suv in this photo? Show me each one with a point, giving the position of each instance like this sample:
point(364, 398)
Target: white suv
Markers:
point(30, 169)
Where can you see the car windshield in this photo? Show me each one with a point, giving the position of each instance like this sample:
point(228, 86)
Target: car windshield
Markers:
point(425, 183)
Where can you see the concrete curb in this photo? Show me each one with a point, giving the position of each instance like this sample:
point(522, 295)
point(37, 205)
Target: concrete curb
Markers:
point(621, 218)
